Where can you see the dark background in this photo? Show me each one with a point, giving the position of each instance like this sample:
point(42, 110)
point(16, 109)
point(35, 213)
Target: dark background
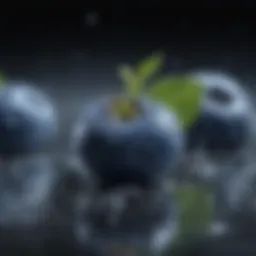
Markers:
point(74, 58)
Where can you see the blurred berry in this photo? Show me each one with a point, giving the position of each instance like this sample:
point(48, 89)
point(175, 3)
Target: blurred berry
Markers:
point(28, 121)
point(226, 115)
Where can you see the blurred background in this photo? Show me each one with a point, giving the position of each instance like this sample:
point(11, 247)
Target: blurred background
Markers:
point(73, 53)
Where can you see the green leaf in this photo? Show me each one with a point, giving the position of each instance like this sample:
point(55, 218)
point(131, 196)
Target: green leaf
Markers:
point(181, 94)
point(197, 210)
point(130, 80)
point(148, 67)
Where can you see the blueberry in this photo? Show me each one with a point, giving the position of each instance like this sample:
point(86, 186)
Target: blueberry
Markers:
point(226, 114)
point(137, 151)
point(27, 120)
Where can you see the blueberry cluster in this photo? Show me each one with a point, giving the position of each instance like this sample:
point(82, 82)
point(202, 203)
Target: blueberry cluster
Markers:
point(116, 195)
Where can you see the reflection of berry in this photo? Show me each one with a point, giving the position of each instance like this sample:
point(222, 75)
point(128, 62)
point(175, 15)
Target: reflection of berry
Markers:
point(27, 120)
point(139, 150)
point(38, 208)
point(230, 242)
point(225, 115)
point(130, 220)
point(26, 188)
point(239, 192)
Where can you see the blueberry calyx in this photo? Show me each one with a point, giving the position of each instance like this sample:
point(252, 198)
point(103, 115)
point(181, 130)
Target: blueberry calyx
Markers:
point(219, 96)
point(125, 108)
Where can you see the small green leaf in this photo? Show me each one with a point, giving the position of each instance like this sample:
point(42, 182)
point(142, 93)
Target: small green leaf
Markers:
point(181, 94)
point(197, 210)
point(148, 67)
point(130, 80)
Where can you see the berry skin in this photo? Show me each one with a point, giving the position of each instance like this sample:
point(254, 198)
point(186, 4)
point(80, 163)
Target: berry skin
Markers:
point(27, 120)
point(226, 114)
point(139, 151)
